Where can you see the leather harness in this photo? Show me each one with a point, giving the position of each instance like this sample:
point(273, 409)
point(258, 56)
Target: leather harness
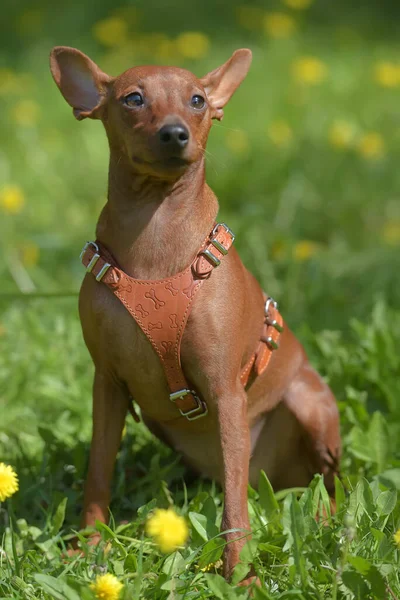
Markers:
point(161, 309)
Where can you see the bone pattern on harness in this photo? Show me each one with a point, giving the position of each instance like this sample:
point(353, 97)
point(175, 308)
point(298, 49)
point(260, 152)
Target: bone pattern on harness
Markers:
point(161, 309)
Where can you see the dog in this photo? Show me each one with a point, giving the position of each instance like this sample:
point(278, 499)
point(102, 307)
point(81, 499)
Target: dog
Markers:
point(171, 317)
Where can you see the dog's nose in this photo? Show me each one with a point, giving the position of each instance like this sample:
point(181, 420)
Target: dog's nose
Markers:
point(174, 136)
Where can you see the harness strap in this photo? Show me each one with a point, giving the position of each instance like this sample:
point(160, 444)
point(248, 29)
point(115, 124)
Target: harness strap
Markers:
point(269, 341)
point(161, 308)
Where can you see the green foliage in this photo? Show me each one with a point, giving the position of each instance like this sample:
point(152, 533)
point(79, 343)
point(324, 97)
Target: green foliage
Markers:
point(317, 222)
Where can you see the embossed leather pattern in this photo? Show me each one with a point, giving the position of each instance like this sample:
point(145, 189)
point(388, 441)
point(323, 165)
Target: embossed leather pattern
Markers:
point(162, 307)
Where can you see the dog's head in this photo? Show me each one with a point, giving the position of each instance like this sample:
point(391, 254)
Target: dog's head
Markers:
point(159, 117)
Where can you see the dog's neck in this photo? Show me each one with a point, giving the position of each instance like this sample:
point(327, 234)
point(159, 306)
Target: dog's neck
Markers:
point(154, 228)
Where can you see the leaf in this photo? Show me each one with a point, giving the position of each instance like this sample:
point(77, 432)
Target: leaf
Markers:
point(209, 510)
point(361, 501)
point(378, 585)
point(390, 478)
point(362, 565)
point(59, 517)
point(267, 497)
point(249, 551)
point(340, 496)
point(211, 552)
point(241, 571)
point(378, 439)
point(219, 587)
point(105, 530)
point(386, 502)
point(130, 564)
point(356, 584)
point(173, 564)
point(145, 510)
point(293, 527)
point(199, 523)
point(57, 588)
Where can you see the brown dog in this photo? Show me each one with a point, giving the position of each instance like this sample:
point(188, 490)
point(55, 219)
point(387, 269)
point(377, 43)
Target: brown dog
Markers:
point(148, 328)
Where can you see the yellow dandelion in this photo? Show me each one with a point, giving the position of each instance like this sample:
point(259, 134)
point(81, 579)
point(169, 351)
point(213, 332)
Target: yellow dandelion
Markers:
point(30, 254)
point(160, 46)
point(250, 17)
point(371, 145)
point(396, 537)
point(212, 566)
point(26, 112)
point(387, 74)
point(304, 250)
point(8, 482)
point(237, 142)
point(279, 25)
point(341, 134)
point(8, 82)
point(298, 4)
point(391, 233)
point(106, 587)
point(111, 32)
point(168, 529)
point(192, 44)
point(12, 199)
point(309, 70)
point(280, 133)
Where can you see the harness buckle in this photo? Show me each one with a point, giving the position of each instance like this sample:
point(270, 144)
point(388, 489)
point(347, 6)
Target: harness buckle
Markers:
point(86, 246)
point(200, 404)
point(224, 251)
point(227, 229)
point(270, 302)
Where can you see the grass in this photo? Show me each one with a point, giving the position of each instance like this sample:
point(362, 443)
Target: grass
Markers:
point(317, 221)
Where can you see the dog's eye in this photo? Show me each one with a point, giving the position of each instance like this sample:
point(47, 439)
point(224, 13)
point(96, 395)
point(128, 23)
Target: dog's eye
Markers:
point(197, 101)
point(134, 99)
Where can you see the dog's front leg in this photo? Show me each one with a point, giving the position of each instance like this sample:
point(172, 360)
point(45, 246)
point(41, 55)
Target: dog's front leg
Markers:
point(110, 405)
point(235, 446)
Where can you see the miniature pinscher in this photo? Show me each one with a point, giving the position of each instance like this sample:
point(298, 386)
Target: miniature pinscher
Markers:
point(171, 317)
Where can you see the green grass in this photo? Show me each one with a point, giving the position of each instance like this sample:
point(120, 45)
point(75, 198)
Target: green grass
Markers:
point(343, 301)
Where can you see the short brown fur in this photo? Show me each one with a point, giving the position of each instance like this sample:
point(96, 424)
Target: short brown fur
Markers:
point(158, 213)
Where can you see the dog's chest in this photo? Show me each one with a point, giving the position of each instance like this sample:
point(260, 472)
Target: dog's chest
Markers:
point(119, 346)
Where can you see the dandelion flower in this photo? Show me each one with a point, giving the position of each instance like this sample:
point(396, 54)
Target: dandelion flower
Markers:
point(8, 482)
point(107, 587)
point(387, 74)
point(192, 44)
point(280, 133)
point(341, 134)
point(12, 199)
point(30, 254)
point(396, 537)
point(371, 145)
point(391, 235)
point(212, 566)
point(309, 70)
point(168, 529)
point(279, 25)
point(111, 32)
point(304, 250)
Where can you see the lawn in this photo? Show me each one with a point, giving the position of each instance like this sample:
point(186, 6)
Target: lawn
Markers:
point(305, 165)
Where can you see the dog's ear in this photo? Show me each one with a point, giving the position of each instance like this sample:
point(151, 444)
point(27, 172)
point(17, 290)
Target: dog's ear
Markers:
point(221, 83)
point(81, 82)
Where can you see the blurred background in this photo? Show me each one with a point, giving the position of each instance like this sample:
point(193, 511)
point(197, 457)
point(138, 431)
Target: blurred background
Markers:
point(305, 165)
